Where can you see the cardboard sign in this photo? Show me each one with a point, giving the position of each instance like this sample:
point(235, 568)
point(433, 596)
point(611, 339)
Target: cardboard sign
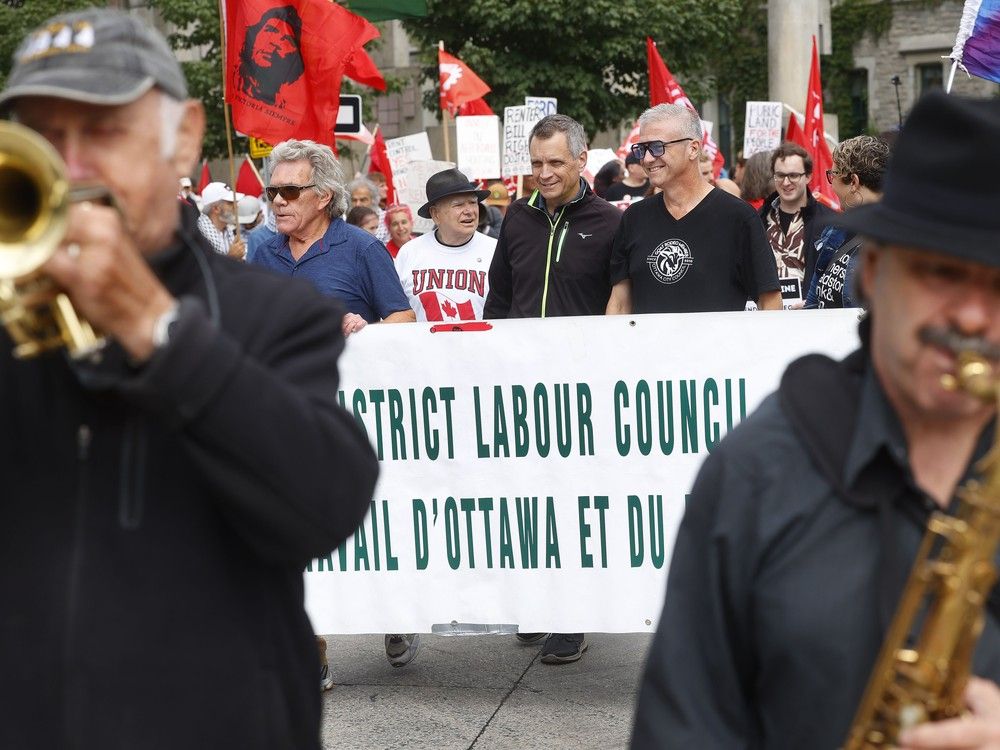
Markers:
point(762, 131)
point(517, 125)
point(402, 151)
point(478, 146)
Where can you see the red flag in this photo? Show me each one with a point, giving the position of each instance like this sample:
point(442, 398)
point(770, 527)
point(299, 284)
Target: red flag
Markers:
point(361, 68)
point(794, 132)
point(815, 139)
point(284, 64)
point(248, 181)
point(380, 163)
point(458, 83)
point(206, 176)
point(664, 89)
point(475, 107)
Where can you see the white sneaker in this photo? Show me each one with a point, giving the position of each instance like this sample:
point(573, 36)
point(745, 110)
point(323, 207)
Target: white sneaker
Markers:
point(400, 648)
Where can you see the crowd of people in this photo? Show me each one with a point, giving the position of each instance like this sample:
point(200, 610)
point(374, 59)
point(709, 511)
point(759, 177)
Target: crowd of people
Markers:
point(196, 463)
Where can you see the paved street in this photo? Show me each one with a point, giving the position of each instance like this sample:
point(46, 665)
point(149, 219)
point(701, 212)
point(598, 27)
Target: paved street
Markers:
point(484, 692)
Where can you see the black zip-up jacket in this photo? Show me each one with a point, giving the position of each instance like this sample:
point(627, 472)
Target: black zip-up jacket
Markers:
point(815, 216)
point(544, 267)
point(154, 522)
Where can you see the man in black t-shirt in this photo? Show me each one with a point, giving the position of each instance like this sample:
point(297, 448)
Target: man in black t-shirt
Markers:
point(633, 187)
point(693, 248)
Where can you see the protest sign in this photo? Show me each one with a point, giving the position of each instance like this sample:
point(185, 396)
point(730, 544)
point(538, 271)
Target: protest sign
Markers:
point(544, 105)
point(414, 190)
point(762, 131)
point(402, 151)
point(478, 140)
point(517, 125)
point(534, 474)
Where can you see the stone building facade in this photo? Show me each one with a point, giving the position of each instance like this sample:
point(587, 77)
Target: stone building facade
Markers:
point(915, 48)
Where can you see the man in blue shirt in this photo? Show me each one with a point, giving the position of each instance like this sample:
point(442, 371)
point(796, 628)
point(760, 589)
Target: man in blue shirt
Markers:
point(308, 199)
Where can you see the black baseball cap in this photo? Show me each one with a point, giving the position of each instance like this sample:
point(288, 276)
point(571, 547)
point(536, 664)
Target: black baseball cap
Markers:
point(97, 56)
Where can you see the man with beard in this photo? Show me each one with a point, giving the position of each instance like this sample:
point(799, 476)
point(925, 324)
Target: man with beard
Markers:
point(270, 56)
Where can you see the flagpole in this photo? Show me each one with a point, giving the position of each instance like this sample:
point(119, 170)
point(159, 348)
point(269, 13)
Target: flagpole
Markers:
point(951, 76)
point(256, 173)
point(366, 161)
point(445, 117)
point(225, 115)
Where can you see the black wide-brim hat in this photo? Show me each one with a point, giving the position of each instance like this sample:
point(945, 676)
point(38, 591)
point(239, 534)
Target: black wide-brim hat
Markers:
point(941, 191)
point(448, 182)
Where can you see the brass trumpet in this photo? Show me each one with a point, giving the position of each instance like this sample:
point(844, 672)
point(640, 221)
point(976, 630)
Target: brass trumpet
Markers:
point(36, 195)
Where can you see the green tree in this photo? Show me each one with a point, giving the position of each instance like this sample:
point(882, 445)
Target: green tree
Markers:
point(590, 55)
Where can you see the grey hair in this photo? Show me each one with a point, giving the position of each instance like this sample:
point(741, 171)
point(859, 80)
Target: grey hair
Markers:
point(367, 184)
point(548, 126)
point(327, 176)
point(171, 112)
point(689, 121)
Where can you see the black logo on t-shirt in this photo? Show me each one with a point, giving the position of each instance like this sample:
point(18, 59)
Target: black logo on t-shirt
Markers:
point(670, 261)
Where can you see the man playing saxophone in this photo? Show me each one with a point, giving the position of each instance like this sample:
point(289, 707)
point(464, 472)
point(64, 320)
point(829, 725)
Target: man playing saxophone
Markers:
point(803, 525)
point(162, 496)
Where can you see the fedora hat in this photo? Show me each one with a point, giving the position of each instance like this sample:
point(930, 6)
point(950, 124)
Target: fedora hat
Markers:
point(941, 188)
point(448, 182)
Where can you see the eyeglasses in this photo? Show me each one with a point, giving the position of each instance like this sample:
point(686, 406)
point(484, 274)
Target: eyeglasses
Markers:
point(830, 174)
point(288, 192)
point(654, 148)
point(780, 177)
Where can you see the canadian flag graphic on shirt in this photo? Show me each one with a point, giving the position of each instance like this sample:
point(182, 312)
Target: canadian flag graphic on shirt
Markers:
point(440, 307)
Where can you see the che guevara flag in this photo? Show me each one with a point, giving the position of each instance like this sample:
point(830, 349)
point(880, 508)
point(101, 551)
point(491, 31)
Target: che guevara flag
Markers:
point(284, 63)
point(458, 83)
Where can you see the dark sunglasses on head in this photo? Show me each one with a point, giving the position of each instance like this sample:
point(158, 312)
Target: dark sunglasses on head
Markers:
point(288, 192)
point(655, 148)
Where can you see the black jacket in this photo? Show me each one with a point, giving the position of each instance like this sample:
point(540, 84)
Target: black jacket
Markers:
point(815, 216)
point(575, 249)
point(155, 522)
point(796, 542)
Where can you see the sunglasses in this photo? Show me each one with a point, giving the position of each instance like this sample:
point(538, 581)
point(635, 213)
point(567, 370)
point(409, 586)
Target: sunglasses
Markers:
point(288, 192)
point(654, 148)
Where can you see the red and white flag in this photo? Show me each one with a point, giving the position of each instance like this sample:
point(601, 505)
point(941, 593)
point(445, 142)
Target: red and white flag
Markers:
point(664, 89)
point(440, 307)
point(284, 64)
point(458, 83)
point(815, 138)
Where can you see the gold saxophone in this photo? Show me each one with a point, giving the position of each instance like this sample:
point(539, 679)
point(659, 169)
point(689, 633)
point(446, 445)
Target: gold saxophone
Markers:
point(944, 597)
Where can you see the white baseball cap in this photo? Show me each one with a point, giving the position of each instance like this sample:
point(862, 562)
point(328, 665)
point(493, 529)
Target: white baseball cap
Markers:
point(248, 209)
point(215, 192)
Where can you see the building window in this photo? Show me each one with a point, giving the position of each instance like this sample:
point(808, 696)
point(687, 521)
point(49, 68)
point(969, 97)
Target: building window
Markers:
point(858, 122)
point(929, 76)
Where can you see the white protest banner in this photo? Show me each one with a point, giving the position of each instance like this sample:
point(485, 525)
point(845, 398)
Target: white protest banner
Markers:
point(762, 130)
point(414, 190)
point(478, 139)
point(517, 125)
point(534, 474)
point(401, 151)
point(546, 105)
point(597, 158)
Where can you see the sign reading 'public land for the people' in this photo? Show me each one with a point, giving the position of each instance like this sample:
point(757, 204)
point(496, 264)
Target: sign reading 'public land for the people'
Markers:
point(534, 474)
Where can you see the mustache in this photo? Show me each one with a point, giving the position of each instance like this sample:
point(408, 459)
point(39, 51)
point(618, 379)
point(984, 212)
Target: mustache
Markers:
point(955, 342)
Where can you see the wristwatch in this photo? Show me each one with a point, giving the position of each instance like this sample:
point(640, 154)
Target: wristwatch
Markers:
point(164, 325)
